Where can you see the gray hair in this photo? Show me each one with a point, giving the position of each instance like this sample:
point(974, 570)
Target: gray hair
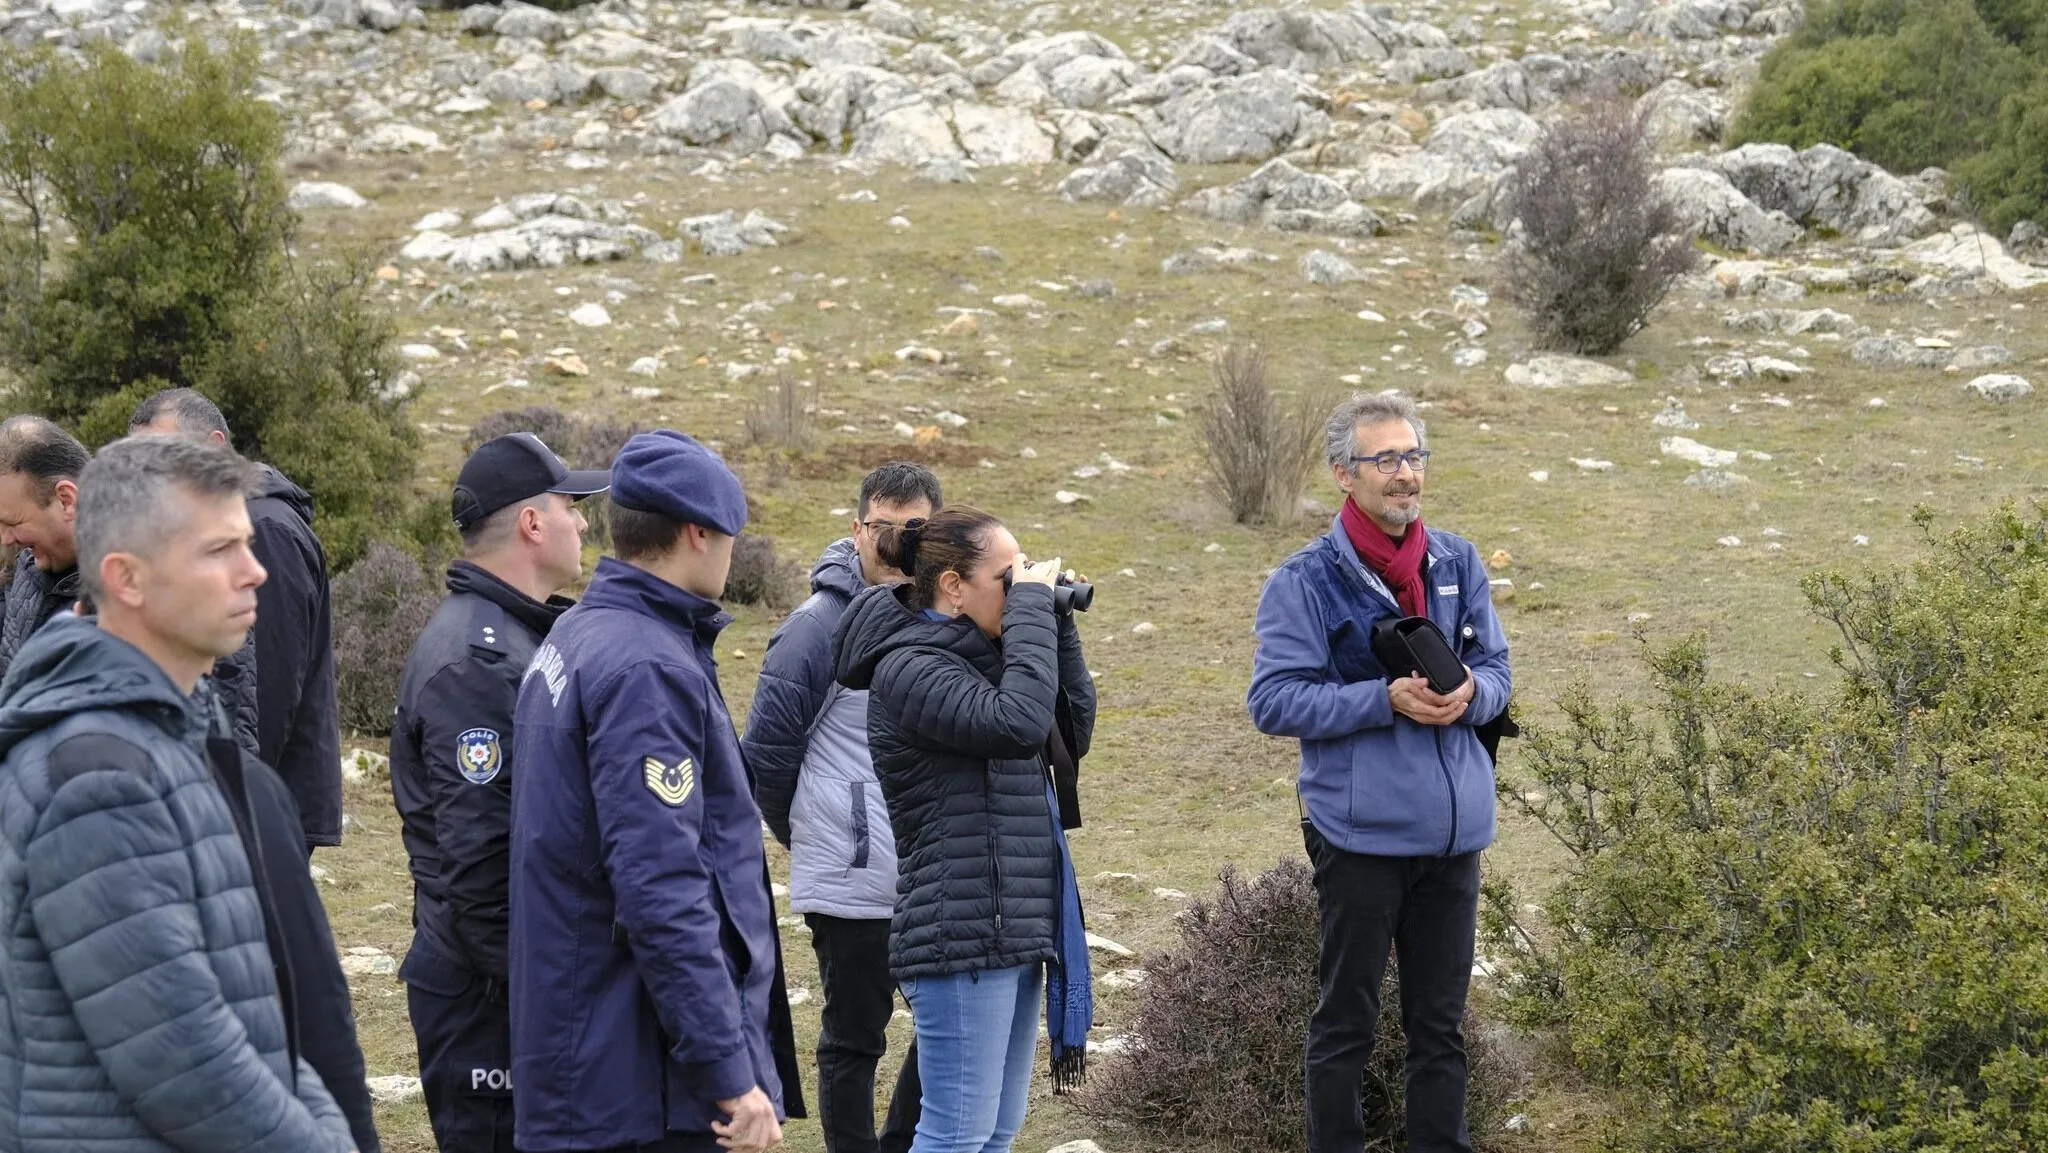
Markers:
point(1340, 436)
point(127, 496)
point(193, 413)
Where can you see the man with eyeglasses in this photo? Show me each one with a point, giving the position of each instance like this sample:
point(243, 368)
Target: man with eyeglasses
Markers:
point(807, 747)
point(1396, 784)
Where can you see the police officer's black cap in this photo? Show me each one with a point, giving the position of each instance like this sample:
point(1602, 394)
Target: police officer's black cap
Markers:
point(515, 467)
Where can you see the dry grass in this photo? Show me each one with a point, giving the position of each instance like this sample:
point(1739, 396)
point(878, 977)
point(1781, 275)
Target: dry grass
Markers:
point(1178, 782)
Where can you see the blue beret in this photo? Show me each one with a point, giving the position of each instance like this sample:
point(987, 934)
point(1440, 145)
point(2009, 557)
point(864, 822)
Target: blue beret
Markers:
point(668, 473)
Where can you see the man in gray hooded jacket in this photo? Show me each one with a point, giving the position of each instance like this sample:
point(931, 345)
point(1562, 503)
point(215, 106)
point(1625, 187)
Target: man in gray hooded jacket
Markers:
point(147, 987)
point(807, 748)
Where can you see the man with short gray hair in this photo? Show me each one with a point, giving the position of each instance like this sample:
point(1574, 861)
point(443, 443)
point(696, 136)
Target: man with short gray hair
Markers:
point(1396, 778)
point(150, 994)
point(281, 684)
point(39, 467)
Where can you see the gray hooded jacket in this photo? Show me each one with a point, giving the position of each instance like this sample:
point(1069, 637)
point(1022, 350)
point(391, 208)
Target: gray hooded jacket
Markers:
point(807, 747)
point(139, 1007)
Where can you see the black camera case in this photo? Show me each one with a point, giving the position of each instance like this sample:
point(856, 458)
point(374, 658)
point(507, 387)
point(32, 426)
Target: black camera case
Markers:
point(1415, 646)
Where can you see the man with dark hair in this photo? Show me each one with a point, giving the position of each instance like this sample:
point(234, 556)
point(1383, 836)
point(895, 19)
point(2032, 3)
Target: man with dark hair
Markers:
point(807, 745)
point(451, 771)
point(150, 991)
point(39, 467)
point(647, 1003)
point(280, 685)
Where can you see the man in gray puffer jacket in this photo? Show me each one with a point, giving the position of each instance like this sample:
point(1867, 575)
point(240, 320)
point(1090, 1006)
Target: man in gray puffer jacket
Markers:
point(143, 977)
point(807, 748)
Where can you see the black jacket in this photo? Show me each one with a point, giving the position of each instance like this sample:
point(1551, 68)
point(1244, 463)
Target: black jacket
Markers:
point(451, 765)
point(283, 678)
point(32, 598)
point(959, 726)
point(324, 1016)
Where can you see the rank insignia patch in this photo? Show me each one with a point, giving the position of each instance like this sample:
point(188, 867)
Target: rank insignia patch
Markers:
point(478, 755)
point(671, 784)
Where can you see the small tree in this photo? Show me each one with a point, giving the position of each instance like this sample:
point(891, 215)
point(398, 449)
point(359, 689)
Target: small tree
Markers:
point(1596, 245)
point(1793, 924)
point(147, 246)
point(1259, 449)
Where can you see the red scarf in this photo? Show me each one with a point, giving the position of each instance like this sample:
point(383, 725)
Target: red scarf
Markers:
point(1397, 560)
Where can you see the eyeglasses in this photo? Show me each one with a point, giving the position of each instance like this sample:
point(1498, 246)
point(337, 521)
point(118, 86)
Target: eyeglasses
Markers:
point(1391, 462)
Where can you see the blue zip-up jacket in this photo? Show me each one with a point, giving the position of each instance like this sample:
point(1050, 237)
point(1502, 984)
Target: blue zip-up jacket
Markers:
point(643, 949)
point(1373, 781)
point(139, 1001)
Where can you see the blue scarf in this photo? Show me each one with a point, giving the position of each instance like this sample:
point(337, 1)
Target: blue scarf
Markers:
point(1069, 987)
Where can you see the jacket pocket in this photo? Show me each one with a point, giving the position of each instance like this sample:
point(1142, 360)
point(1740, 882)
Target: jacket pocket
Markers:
point(859, 814)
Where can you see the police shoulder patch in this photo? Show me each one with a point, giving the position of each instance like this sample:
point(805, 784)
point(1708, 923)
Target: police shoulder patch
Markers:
point(670, 784)
point(479, 755)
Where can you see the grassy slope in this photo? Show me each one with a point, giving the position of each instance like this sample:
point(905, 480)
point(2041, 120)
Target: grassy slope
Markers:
point(1179, 783)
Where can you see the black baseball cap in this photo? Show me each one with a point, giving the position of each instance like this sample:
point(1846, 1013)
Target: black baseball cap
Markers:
point(515, 467)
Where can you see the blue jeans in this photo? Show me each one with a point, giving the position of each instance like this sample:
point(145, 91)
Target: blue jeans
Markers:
point(977, 1034)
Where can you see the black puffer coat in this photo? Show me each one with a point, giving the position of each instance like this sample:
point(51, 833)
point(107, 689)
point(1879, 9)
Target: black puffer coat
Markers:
point(958, 725)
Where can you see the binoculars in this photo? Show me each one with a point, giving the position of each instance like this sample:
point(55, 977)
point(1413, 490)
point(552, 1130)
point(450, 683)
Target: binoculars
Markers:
point(1068, 596)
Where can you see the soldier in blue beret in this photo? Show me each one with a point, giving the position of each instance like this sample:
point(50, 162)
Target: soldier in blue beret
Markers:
point(647, 1004)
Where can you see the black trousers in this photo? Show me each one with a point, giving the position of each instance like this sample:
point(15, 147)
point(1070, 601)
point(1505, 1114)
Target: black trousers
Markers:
point(1426, 909)
point(465, 1045)
point(860, 997)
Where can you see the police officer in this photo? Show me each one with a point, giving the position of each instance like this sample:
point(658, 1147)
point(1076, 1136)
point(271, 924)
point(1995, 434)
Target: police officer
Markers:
point(645, 962)
point(451, 771)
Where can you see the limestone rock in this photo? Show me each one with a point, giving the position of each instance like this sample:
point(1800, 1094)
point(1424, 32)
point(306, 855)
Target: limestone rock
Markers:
point(1136, 179)
point(2000, 386)
point(311, 194)
point(1566, 372)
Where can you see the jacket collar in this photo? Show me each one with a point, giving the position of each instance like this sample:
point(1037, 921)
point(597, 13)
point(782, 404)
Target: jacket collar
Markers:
point(619, 585)
point(537, 616)
point(1348, 558)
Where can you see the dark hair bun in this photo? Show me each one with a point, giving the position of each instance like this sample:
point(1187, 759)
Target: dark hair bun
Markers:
point(897, 544)
point(907, 540)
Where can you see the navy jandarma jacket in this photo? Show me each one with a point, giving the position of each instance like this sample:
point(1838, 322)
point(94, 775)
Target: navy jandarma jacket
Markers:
point(1373, 781)
point(643, 947)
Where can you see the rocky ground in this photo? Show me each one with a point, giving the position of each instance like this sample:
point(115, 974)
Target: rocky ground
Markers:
point(1004, 238)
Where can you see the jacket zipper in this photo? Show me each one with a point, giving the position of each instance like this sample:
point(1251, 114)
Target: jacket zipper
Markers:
point(1450, 787)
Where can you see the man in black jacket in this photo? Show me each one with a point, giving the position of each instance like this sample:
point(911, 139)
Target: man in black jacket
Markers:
point(39, 467)
point(451, 760)
point(282, 681)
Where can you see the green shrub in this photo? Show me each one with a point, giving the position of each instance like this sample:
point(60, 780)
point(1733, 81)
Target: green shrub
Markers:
point(150, 248)
point(1912, 83)
point(1815, 924)
point(1214, 1051)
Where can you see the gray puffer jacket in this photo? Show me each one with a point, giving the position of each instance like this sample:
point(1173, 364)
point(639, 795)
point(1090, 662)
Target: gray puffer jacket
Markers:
point(138, 1003)
point(807, 748)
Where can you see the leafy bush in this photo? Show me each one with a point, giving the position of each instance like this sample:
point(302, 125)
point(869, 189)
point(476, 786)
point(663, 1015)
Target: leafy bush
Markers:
point(759, 577)
point(1823, 924)
point(1955, 83)
point(147, 246)
point(1215, 1049)
point(1596, 245)
point(381, 605)
point(1258, 449)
